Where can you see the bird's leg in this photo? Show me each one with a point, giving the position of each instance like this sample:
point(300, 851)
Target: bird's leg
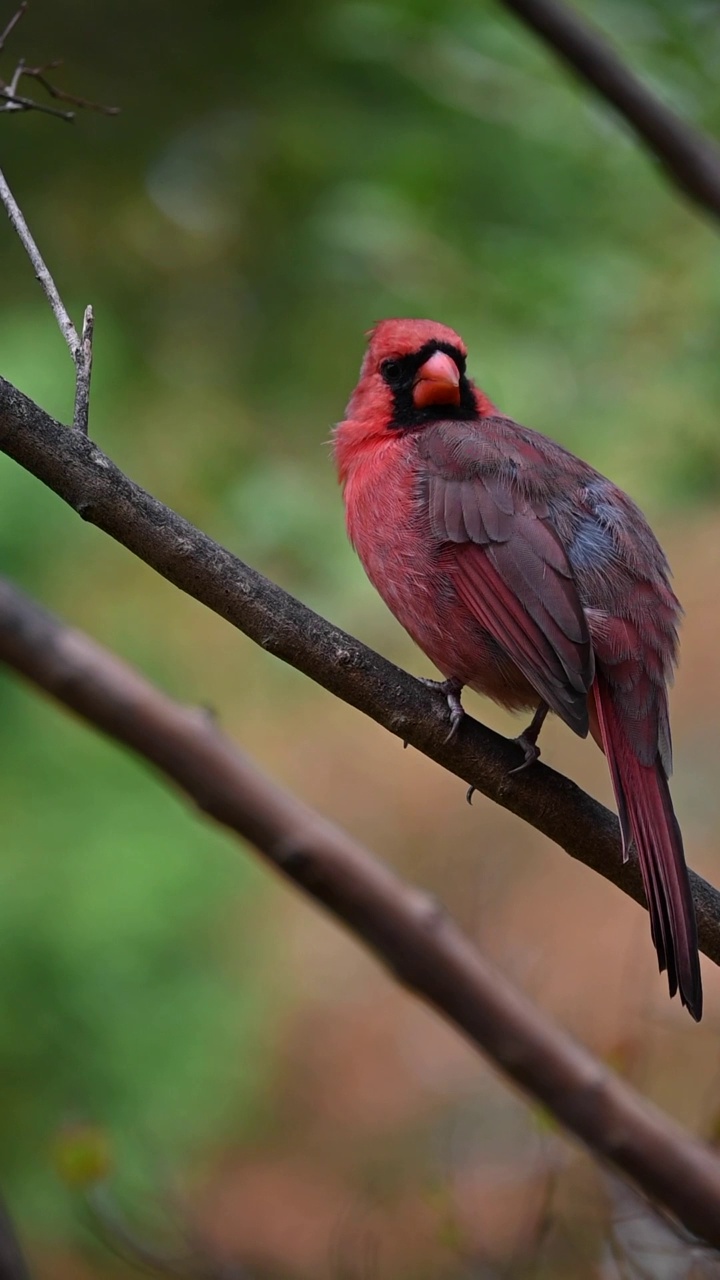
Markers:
point(528, 738)
point(451, 690)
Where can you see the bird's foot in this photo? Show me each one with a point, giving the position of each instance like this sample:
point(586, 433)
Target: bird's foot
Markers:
point(531, 750)
point(528, 739)
point(451, 690)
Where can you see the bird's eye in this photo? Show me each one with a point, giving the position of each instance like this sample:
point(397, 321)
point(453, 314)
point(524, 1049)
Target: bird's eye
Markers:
point(391, 370)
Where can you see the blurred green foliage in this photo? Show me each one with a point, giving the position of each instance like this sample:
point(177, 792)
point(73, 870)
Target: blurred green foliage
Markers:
point(281, 176)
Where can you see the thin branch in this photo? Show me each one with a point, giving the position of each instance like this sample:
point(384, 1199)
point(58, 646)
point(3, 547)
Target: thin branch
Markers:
point(83, 476)
point(16, 102)
point(12, 24)
point(65, 324)
point(85, 104)
point(17, 74)
point(80, 348)
point(689, 157)
point(404, 927)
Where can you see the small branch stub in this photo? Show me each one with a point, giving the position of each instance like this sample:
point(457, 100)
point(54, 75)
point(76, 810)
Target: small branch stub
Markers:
point(83, 364)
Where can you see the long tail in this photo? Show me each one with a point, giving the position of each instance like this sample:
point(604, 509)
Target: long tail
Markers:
point(647, 817)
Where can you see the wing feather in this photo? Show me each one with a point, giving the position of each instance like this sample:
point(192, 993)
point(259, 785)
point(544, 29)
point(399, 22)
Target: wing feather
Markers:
point(510, 569)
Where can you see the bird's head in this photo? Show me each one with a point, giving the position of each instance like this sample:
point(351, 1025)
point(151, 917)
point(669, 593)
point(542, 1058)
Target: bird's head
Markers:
point(413, 374)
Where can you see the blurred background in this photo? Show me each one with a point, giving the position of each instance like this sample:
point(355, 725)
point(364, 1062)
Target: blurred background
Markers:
point(281, 176)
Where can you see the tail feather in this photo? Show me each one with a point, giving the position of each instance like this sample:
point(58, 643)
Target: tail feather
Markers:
point(647, 818)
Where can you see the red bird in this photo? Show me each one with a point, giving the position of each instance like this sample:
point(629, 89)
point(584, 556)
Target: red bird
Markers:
point(523, 573)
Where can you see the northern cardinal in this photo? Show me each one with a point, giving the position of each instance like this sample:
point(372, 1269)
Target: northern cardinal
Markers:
point(526, 575)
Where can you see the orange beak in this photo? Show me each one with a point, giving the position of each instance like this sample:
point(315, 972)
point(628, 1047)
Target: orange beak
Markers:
point(437, 382)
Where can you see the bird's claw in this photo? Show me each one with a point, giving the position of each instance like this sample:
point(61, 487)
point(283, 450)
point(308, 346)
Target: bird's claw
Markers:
point(451, 690)
point(531, 750)
point(456, 715)
point(528, 739)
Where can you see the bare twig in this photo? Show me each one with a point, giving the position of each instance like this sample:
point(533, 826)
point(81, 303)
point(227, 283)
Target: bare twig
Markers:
point(80, 348)
point(13, 85)
point(12, 24)
point(16, 102)
point(65, 324)
point(688, 156)
point(85, 104)
point(83, 476)
point(405, 928)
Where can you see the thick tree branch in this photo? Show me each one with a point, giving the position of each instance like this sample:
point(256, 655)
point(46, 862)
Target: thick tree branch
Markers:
point(76, 469)
point(689, 157)
point(404, 927)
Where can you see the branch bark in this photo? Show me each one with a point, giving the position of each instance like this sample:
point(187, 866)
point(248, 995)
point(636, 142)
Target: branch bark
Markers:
point(405, 928)
point(83, 476)
point(690, 158)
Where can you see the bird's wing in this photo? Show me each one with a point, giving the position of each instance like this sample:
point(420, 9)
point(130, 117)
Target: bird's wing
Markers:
point(498, 546)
